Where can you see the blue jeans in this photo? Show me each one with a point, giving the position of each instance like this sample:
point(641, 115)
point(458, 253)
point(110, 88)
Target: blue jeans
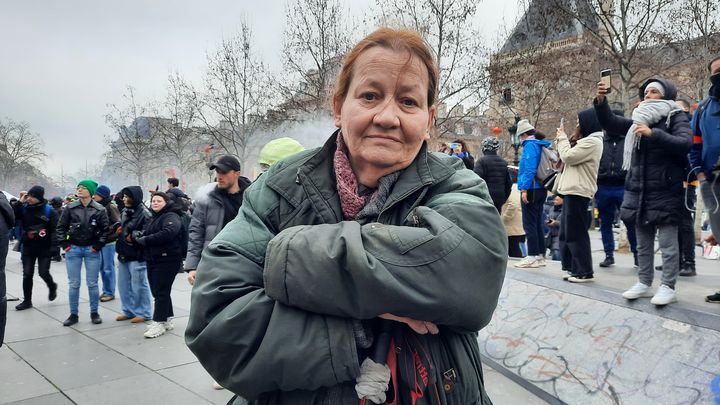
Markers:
point(73, 260)
point(107, 269)
point(134, 289)
point(609, 199)
point(532, 219)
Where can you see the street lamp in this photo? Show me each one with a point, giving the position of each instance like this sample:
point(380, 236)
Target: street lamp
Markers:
point(515, 139)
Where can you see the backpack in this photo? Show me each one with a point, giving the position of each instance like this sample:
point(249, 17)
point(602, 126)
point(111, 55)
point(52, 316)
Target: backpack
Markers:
point(548, 168)
point(46, 217)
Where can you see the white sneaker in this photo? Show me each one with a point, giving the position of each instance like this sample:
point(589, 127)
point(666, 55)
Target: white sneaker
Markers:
point(541, 262)
point(168, 325)
point(639, 290)
point(217, 386)
point(663, 296)
point(527, 262)
point(156, 329)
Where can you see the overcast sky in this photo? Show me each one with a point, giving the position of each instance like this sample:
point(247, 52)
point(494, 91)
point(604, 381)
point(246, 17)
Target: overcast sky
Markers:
point(62, 62)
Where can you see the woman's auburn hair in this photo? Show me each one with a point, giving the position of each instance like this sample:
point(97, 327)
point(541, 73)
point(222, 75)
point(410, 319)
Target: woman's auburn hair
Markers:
point(396, 40)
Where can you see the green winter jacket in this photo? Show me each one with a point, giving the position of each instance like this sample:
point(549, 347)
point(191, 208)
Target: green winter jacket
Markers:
point(278, 288)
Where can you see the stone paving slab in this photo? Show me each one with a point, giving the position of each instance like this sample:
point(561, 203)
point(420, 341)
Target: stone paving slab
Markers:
point(52, 399)
point(18, 380)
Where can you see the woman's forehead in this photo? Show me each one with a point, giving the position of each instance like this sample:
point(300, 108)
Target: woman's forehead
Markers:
point(378, 65)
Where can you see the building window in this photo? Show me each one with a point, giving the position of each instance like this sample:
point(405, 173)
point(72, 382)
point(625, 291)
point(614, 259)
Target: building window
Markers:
point(506, 94)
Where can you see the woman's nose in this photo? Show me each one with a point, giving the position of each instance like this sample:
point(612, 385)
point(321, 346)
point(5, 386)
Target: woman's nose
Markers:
point(387, 116)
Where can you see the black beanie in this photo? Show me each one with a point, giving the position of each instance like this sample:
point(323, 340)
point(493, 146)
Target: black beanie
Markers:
point(588, 122)
point(37, 192)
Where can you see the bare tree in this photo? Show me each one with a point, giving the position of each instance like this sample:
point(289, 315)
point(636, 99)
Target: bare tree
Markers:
point(447, 25)
point(699, 24)
point(19, 147)
point(180, 140)
point(133, 145)
point(316, 37)
point(237, 94)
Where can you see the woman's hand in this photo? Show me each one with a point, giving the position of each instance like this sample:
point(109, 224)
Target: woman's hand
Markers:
point(642, 129)
point(601, 92)
point(421, 327)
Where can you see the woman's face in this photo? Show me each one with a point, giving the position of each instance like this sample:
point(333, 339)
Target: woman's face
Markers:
point(385, 116)
point(127, 200)
point(157, 203)
point(653, 94)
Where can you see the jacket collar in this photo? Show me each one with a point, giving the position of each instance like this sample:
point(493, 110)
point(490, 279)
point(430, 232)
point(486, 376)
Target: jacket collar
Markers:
point(311, 175)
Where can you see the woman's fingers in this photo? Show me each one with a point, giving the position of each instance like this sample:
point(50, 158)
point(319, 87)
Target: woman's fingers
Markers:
point(421, 327)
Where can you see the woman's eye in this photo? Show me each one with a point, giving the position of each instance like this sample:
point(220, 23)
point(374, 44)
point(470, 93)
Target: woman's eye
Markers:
point(369, 96)
point(409, 102)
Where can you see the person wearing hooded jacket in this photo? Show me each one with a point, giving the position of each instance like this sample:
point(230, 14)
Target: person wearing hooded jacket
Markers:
point(82, 233)
point(610, 192)
point(107, 268)
point(657, 140)
point(7, 222)
point(494, 170)
point(162, 246)
point(532, 194)
point(132, 276)
point(578, 184)
point(38, 242)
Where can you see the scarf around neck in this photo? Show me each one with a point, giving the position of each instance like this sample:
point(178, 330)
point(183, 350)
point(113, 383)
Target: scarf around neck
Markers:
point(649, 112)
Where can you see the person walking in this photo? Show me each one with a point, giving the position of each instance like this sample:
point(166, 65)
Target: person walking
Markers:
point(7, 222)
point(81, 233)
point(610, 192)
point(494, 170)
point(532, 194)
point(38, 223)
point(107, 255)
point(162, 246)
point(581, 155)
point(656, 145)
point(705, 153)
point(133, 284)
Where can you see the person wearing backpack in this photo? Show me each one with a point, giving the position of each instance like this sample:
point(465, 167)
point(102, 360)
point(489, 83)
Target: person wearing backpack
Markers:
point(532, 193)
point(581, 155)
point(107, 254)
point(38, 225)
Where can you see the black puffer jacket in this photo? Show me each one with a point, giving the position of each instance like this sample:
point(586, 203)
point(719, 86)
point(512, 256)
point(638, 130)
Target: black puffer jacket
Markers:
point(134, 218)
point(654, 189)
point(7, 221)
point(83, 226)
point(494, 170)
point(113, 214)
point(611, 172)
point(161, 237)
point(38, 229)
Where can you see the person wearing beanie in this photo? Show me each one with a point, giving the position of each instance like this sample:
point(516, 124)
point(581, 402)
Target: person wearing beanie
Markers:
point(577, 184)
point(82, 233)
point(276, 150)
point(494, 170)
point(38, 224)
point(657, 140)
point(532, 194)
point(107, 255)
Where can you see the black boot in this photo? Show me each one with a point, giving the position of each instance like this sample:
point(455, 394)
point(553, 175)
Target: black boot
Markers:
point(609, 261)
point(688, 270)
point(72, 320)
point(95, 318)
point(23, 305)
point(53, 292)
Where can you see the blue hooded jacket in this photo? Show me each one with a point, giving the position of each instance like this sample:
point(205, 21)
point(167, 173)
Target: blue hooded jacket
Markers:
point(705, 127)
point(529, 163)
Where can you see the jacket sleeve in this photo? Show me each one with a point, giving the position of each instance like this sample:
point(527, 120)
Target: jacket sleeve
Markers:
point(52, 229)
point(582, 152)
point(362, 271)
point(529, 162)
point(695, 154)
point(479, 168)
point(196, 237)
point(609, 121)
point(249, 342)
point(678, 138)
point(104, 224)
point(62, 228)
point(169, 230)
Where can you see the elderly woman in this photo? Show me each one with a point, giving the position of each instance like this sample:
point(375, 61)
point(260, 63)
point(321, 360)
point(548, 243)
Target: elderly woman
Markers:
point(369, 248)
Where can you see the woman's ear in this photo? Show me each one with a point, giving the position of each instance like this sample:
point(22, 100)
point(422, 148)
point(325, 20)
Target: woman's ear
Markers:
point(431, 122)
point(337, 110)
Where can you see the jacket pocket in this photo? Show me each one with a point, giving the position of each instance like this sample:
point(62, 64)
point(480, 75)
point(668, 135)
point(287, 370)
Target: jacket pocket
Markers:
point(458, 369)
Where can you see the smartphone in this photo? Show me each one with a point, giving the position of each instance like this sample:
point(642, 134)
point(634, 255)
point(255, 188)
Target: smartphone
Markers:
point(452, 145)
point(605, 78)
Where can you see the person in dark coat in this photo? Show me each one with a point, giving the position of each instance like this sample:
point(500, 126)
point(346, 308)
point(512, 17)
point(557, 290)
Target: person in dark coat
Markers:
point(657, 140)
point(107, 254)
point(494, 170)
point(610, 192)
point(7, 222)
point(163, 254)
point(133, 284)
point(38, 224)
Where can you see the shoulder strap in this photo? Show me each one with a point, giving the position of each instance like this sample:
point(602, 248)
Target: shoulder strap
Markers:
point(48, 210)
point(698, 116)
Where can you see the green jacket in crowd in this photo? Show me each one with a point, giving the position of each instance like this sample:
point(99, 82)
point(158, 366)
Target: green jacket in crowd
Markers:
point(278, 289)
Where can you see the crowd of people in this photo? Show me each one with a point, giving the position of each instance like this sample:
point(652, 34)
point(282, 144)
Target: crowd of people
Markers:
point(642, 171)
point(363, 269)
